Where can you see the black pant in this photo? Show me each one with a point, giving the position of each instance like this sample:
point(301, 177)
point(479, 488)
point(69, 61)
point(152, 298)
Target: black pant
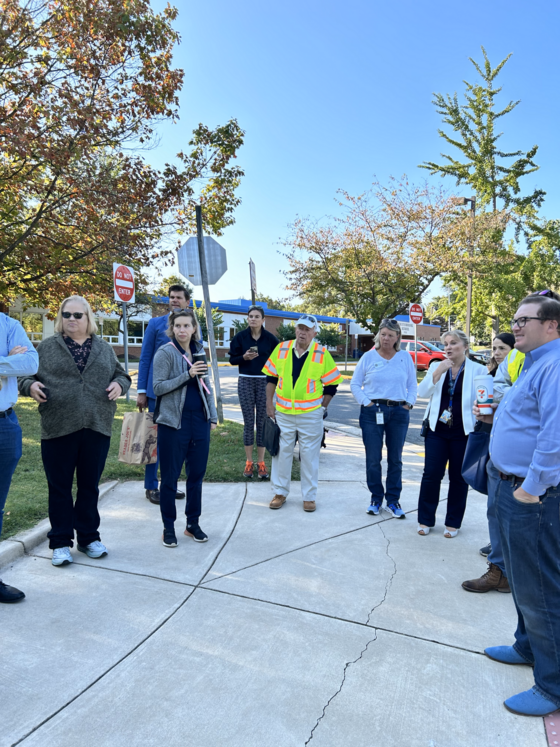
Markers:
point(190, 443)
point(441, 449)
point(84, 453)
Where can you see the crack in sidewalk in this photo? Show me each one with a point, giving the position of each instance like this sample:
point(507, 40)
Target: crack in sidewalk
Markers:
point(348, 664)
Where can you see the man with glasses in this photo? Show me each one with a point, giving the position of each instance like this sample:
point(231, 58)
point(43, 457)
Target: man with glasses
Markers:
point(525, 451)
point(303, 376)
point(17, 358)
point(154, 337)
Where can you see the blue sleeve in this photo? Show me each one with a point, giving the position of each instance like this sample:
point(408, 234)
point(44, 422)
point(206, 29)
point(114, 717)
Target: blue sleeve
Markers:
point(146, 356)
point(22, 364)
point(544, 470)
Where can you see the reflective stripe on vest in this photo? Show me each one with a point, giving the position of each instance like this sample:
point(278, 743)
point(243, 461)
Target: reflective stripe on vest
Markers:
point(284, 350)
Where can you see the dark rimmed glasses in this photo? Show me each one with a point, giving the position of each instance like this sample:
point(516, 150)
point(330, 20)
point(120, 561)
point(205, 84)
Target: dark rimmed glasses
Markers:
point(75, 314)
point(521, 321)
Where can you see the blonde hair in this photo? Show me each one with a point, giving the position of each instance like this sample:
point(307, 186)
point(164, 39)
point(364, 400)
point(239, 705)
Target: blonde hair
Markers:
point(92, 324)
point(177, 315)
point(392, 326)
point(459, 335)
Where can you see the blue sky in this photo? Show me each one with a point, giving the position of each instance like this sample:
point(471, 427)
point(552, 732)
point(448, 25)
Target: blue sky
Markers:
point(332, 94)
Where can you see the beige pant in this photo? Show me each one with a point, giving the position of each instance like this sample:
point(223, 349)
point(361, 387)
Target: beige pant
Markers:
point(309, 427)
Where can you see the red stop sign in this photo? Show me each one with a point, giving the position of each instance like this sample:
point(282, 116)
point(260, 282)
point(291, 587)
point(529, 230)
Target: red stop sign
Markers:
point(416, 313)
point(123, 278)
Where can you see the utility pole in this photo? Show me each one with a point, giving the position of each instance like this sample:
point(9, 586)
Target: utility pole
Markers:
point(208, 311)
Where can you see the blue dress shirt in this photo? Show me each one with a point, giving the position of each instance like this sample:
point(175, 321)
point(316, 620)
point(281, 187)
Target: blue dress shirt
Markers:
point(154, 337)
point(12, 366)
point(525, 438)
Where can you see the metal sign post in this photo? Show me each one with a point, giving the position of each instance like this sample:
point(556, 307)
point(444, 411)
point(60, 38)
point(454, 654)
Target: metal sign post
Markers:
point(253, 278)
point(346, 356)
point(124, 288)
point(208, 310)
point(416, 316)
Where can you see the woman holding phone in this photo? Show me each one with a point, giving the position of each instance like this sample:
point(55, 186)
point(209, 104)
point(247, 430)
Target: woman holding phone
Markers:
point(185, 414)
point(250, 349)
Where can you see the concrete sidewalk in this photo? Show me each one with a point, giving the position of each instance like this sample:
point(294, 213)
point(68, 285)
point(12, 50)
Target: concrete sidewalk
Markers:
point(329, 629)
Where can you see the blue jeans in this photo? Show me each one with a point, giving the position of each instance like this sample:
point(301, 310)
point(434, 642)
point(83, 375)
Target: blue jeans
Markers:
point(394, 427)
point(10, 454)
point(191, 443)
point(530, 533)
point(150, 475)
point(496, 556)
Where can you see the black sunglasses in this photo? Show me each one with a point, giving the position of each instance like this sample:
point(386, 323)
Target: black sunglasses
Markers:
point(389, 323)
point(75, 314)
point(547, 293)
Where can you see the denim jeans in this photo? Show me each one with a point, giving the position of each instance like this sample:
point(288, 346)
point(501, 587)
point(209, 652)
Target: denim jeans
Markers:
point(150, 475)
point(442, 449)
point(530, 533)
point(10, 454)
point(496, 556)
point(395, 426)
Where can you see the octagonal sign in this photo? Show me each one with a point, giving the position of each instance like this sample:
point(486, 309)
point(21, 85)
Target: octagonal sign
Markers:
point(189, 262)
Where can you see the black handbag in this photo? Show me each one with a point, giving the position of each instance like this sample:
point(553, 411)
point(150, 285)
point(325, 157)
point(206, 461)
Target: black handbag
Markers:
point(425, 427)
point(271, 436)
point(475, 460)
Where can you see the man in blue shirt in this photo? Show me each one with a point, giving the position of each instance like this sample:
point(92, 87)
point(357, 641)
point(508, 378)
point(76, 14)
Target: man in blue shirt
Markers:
point(17, 358)
point(154, 337)
point(525, 449)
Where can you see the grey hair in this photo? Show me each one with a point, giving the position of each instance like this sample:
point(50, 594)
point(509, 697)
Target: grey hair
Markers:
point(459, 335)
point(398, 330)
point(92, 324)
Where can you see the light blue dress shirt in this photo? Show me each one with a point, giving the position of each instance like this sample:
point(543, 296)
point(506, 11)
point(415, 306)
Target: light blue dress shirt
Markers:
point(525, 438)
point(377, 378)
point(12, 366)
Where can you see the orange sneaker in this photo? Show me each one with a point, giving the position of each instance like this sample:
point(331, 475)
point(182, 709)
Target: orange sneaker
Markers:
point(248, 472)
point(262, 471)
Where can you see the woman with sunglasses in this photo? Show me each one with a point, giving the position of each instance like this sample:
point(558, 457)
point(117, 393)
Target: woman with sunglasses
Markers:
point(384, 384)
point(77, 385)
point(250, 349)
point(451, 389)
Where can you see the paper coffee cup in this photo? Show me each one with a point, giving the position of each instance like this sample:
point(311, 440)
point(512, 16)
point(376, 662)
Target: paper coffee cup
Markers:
point(484, 386)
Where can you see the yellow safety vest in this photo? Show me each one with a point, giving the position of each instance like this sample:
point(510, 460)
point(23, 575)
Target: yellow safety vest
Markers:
point(319, 370)
point(515, 361)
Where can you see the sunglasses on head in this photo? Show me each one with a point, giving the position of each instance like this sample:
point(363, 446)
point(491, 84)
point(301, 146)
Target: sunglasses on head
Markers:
point(75, 314)
point(389, 323)
point(547, 293)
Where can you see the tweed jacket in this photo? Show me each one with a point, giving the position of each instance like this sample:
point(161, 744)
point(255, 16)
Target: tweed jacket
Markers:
point(76, 400)
point(170, 372)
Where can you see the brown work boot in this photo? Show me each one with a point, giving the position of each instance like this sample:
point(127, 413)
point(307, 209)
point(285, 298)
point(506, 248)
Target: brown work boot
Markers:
point(278, 501)
point(309, 506)
point(492, 580)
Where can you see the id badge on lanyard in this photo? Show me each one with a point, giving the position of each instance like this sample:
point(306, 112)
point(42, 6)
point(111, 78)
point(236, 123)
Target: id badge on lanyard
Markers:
point(447, 415)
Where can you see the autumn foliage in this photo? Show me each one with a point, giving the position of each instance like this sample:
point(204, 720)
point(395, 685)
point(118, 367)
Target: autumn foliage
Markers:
point(83, 85)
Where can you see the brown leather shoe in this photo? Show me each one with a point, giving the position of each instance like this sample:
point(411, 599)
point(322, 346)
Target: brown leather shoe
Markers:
point(278, 501)
point(492, 580)
point(309, 506)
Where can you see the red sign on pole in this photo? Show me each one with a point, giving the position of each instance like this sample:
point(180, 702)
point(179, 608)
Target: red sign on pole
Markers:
point(123, 281)
point(416, 313)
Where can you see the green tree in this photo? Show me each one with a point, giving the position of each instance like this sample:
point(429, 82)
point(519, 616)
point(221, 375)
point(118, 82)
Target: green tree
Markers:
point(481, 165)
point(239, 325)
point(162, 288)
point(329, 335)
point(286, 332)
point(217, 320)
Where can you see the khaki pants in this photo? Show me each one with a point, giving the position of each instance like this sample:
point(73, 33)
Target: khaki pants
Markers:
point(309, 427)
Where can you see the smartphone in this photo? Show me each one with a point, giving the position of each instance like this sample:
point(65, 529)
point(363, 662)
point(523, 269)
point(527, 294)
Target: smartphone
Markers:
point(253, 349)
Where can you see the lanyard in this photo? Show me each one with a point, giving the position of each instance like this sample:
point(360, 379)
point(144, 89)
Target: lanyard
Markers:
point(453, 384)
point(190, 364)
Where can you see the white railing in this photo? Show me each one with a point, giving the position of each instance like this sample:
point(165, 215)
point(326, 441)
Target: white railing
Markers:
point(35, 336)
point(135, 340)
point(114, 340)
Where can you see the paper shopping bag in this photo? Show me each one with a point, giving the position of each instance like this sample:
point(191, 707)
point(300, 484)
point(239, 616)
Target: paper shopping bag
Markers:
point(138, 439)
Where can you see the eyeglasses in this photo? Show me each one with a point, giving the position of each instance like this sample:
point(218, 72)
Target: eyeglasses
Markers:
point(522, 320)
point(75, 314)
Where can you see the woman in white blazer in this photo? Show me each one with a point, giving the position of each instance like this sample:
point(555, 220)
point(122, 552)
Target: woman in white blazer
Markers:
point(450, 387)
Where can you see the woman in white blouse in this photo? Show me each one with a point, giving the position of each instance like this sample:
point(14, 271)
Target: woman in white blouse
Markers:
point(451, 389)
point(384, 384)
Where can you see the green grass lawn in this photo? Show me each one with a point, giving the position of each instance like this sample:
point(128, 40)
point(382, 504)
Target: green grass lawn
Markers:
point(27, 500)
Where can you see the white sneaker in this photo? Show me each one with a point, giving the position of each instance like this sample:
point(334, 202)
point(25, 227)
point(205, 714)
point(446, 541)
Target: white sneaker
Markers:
point(62, 556)
point(94, 550)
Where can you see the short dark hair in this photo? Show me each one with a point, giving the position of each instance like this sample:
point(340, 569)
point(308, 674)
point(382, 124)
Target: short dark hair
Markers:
point(256, 308)
point(180, 289)
point(506, 337)
point(549, 308)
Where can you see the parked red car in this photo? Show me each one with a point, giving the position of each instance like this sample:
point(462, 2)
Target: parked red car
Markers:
point(427, 353)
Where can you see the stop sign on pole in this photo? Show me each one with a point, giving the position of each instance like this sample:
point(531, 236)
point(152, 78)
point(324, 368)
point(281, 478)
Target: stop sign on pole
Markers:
point(123, 282)
point(416, 313)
